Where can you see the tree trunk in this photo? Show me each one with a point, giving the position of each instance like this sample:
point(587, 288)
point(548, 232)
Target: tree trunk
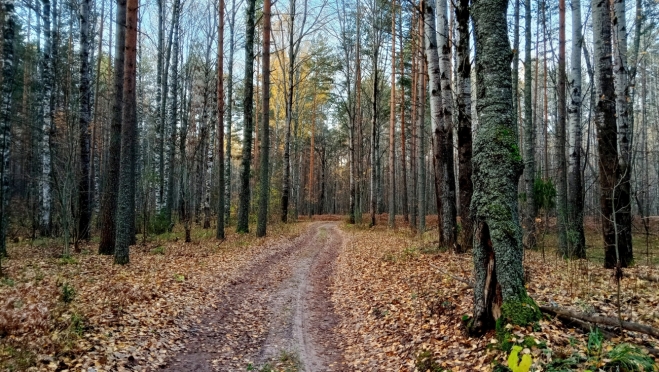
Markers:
point(6, 90)
point(499, 275)
point(229, 116)
point(403, 143)
point(392, 123)
point(463, 90)
point(264, 196)
point(529, 134)
point(47, 108)
point(436, 117)
point(421, 120)
point(173, 114)
point(577, 240)
point(109, 197)
point(84, 186)
point(605, 121)
point(374, 126)
point(219, 234)
point(248, 112)
point(624, 110)
point(126, 196)
point(286, 187)
point(561, 138)
point(448, 213)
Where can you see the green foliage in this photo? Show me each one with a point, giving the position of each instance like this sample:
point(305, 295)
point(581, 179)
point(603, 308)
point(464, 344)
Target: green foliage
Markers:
point(628, 358)
point(545, 194)
point(159, 223)
point(6, 281)
point(595, 339)
point(179, 278)
point(21, 359)
point(68, 293)
point(67, 260)
point(158, 250)
point(77, 324)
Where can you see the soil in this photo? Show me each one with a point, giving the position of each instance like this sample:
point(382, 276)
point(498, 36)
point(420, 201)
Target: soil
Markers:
point(277, 314)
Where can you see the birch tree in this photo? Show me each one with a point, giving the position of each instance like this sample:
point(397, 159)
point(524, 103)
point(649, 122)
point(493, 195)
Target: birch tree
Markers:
point(47, 111)
point(6, 90)
point(444, 135)
point(624, 111)
point(576, 237)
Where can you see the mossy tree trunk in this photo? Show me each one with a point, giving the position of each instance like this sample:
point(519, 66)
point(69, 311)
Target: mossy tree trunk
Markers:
point(499, 276)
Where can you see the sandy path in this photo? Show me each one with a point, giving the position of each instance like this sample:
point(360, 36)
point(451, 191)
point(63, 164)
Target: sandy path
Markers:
point(277, 313)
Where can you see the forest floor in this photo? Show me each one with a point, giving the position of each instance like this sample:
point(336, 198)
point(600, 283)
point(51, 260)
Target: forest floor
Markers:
point(312, 296)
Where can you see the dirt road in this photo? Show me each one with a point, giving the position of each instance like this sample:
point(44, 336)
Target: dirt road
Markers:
point(277, 314)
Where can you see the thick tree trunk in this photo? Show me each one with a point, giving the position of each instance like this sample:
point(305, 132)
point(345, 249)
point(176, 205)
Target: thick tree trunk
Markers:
point(84, 186)
point(248, 120)
point(499, 275)
point(109, 197)
point(624, 110)
point(463, 90)
point(605, 121)
point(529, 135)
point(577, 240)
point(126, 196)
point(264, 196)
point(6, 90)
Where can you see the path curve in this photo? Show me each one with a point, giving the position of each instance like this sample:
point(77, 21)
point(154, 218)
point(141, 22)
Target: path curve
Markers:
point(279, 311)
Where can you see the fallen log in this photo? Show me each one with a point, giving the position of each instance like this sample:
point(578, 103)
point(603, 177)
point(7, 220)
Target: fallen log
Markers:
point(584, 322)
point(605, 320)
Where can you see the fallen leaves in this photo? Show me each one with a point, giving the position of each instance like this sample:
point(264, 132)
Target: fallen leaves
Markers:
point(118, 317)
point(398, 298)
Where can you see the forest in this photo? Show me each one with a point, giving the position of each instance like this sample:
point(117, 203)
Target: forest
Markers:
point(329, 185)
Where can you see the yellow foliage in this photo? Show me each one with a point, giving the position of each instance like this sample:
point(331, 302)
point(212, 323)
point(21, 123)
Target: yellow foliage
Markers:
point(514, 363)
